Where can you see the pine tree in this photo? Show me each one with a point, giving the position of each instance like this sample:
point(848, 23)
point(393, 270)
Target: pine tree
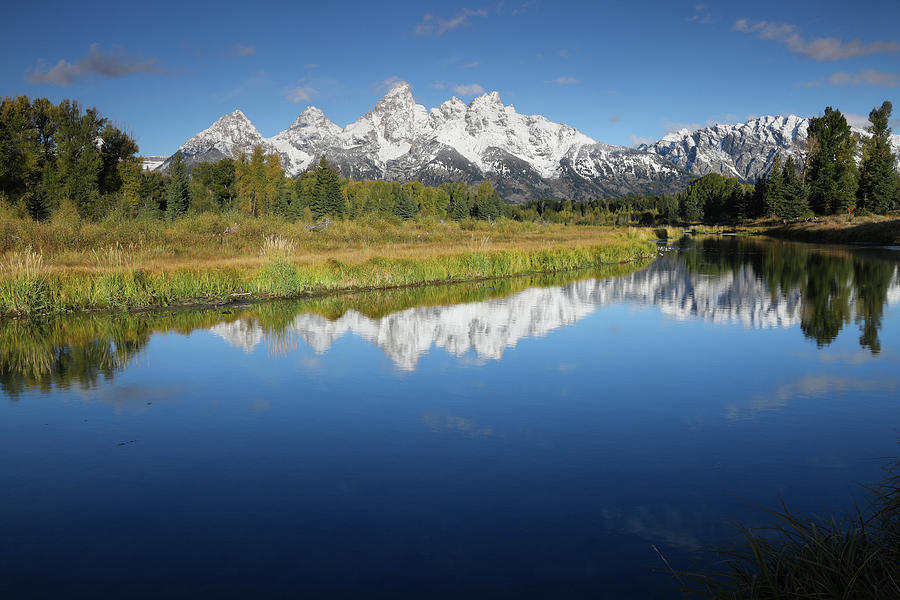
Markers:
point(794, 194)
point(37, 204)
point(486, 201)
point(459, 202)
point(404, 206)
point(774, 189)
point(878, 177)
point(178, 192)
point(328, 198)
point(691, 206)
point(831, 166)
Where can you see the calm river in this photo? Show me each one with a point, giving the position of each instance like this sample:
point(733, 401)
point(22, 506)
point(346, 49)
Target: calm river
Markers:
point(534, 437)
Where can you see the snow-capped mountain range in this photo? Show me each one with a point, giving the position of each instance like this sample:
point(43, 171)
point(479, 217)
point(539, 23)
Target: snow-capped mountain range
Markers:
point(742, 150)
point(524, 156)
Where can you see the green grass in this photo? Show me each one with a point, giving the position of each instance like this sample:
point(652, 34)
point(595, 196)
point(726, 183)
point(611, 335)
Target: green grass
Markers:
point(80, 349)
point(841, 230)
point(74, 265)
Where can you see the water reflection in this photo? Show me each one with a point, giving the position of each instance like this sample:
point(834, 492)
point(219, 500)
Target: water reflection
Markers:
point(753, 283)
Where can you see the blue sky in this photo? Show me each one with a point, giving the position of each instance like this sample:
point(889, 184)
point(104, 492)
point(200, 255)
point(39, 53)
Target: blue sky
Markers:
point(621, 72)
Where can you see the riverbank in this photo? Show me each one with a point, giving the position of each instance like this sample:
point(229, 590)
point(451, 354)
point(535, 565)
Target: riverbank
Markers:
point(68, 265)
point(841, 230)
point(855, 558)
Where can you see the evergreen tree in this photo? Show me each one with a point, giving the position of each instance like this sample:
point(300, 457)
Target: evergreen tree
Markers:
point(831, 166)
point(178, 192)
point(691, 206)
point(487, 204)
point(878, 176)
point(404, 206)
point(774, 189)
point(328, 199)
point(37, 204)
point(793, 202)
point(460, 206)
point(303, 194)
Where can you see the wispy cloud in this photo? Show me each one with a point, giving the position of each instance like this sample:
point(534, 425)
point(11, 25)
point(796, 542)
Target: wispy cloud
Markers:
point(563, 81)
point(822, 49)
point(866, 77)
point(385, 85)
point(301, 93)
point(471, 65)
point(701, 15)
point(468, 89)
point(438, 26)
point(615, 118)
point(97, 63)
point(637, 140)
point(243, 50)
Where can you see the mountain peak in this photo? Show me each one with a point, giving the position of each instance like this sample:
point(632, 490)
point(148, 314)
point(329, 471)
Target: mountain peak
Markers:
point(490, 101)
point(399, 140)
point(311, 116)
point(399, 95)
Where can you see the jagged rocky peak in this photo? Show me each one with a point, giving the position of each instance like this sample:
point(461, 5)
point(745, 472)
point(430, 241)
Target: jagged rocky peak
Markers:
point(313, 118)
point(397, 116)
point(743, 150)
point(524, 156)
point(449, 110)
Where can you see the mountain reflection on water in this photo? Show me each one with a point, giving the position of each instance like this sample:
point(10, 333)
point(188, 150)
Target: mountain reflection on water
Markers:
point(747, 282)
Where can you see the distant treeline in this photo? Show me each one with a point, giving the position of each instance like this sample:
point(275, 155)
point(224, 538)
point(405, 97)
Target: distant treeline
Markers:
point(63, 158)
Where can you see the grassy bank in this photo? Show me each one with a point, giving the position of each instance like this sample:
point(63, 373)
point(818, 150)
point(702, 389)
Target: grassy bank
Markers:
point(800, 559)
point(85, 348)
point(69, 264)
point(841, 230)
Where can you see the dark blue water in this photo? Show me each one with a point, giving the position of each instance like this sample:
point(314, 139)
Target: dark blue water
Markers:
point(548, 441)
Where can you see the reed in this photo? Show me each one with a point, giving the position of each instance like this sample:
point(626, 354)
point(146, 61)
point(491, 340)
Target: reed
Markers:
point(854, 559)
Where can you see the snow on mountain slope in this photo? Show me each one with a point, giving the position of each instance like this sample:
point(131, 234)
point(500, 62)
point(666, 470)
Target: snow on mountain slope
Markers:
point(524, 156)
point(743, 150)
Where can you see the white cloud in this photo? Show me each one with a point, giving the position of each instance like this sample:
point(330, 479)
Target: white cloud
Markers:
point(438, 26)
point(471, 65)
point(615, 118)
point(385, 85)
point(300, 93)
point(857, 120)
point(866, 77)
point(822, 49)
point(111, 64)
point(470, 89)
point(563, 80)
point(243, 50)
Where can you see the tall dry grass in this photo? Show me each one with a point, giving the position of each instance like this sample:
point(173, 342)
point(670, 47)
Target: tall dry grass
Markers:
point(211, 258)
